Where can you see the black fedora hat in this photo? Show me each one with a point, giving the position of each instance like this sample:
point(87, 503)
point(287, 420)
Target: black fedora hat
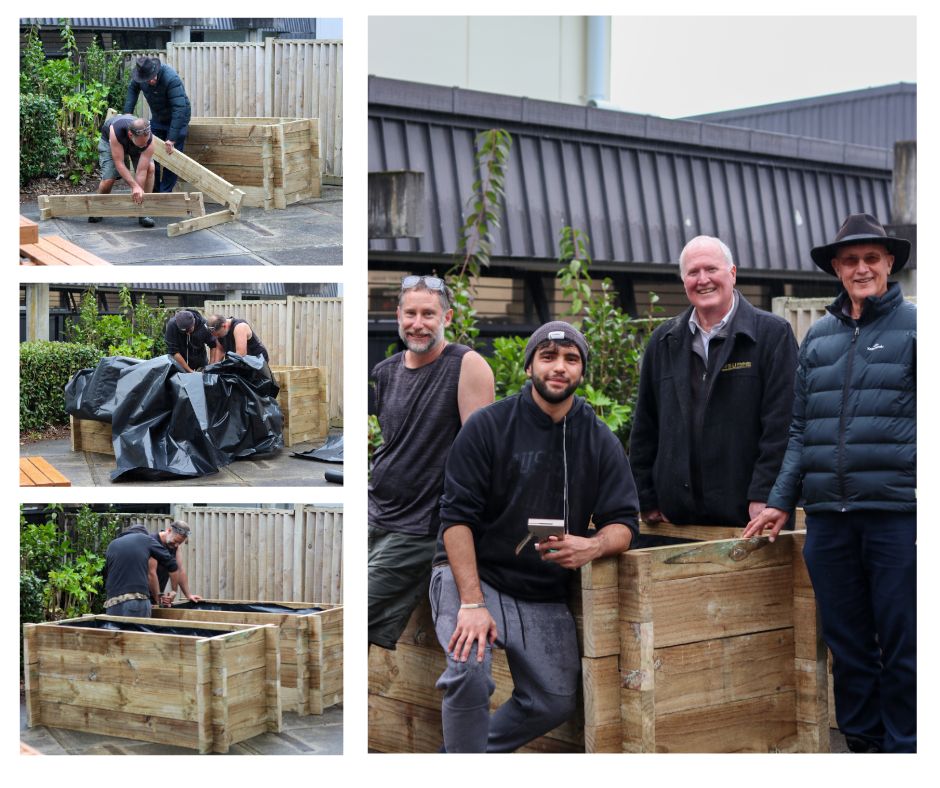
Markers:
point(861, 228)
point(145, 69)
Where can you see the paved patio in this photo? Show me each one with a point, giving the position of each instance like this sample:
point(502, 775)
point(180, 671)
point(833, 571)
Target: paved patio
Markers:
point(306, 233)
point(89, 469)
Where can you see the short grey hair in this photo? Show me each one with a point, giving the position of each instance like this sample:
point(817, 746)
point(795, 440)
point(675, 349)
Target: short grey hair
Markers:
point(699, 239)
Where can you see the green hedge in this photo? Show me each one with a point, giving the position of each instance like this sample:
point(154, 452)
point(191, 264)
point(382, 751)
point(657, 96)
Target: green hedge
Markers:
point(45, 368)
point(41, 148)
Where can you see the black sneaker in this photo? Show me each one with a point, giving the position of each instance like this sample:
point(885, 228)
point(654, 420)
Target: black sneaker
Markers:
point(94, 219)
point(145, 221)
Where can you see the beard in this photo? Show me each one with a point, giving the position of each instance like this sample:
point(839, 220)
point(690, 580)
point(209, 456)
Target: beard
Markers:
point(424, 344)
point(550, 395)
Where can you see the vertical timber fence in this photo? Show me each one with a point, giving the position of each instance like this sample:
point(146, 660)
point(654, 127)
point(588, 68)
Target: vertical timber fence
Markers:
point(301, 331)
point(284, 555)
point(281, 78)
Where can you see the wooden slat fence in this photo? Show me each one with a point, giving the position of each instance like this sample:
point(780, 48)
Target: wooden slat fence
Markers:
point(288, 555)
point(801, 313)
point(301, 331)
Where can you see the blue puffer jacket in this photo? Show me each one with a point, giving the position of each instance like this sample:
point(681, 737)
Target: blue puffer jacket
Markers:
point(169, 105)
point(853, 439)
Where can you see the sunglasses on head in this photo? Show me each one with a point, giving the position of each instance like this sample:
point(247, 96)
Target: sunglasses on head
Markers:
point(430, 282)
point(140, 132)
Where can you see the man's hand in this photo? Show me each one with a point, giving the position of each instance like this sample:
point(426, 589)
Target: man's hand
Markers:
point(473, 624)
point(773, 519)
point(571, 552)
point(754, 508)
point(137, 193)
point(166, 599)
point(194, 598)
point(170, 146)
point(653, 517)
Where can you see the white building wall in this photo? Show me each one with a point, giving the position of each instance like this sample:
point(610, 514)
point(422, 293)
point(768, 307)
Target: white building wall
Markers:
point(541, 57)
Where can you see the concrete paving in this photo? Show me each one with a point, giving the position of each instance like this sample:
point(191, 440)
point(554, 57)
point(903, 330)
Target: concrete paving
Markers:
point(306, 233)
point(306, 735)
point(89, 469)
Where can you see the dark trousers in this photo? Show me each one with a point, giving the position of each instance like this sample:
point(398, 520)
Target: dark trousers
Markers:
point(164, 179)
point(864, 572)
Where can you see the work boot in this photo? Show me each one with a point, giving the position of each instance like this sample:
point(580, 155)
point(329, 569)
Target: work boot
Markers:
point(145, 221)
point(94, 219)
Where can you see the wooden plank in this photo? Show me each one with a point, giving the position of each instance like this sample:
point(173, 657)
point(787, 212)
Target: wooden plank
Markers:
point(29, 231)
point(601, 625)
point(764, 724)
point(638, 715)
point(67, 247)
point(712, 606)
point(89, 435)
point(723, 670)
point(687, 561)
point(601, 683)
point(208, 182)
point(122, 204)
point(170, 702)
point(701, 533)
point(45, 253)
point(31, 675)
point(812, 705)
point(395, 726)
point(140, 727)
point(201, 223)
point(43, 466)
point(33, 476)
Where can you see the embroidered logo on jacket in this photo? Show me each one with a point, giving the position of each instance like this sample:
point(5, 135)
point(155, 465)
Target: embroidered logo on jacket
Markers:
point(877, 346)
point(736, 365)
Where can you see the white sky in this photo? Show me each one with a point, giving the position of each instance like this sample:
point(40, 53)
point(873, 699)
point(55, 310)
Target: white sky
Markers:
point(683, 65)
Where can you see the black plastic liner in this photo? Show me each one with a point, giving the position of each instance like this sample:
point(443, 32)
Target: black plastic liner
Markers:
point(167, 423)
point(128, 626)
point(249, 607)
point(331, 451)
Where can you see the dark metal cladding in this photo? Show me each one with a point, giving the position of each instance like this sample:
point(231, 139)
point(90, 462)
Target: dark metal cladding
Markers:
point(640, 186)
point(877, 116)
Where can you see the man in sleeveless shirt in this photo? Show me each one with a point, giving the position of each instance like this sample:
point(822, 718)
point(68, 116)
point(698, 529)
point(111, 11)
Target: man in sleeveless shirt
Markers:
point(126, 140)
point(234, 335)
point(423, 395)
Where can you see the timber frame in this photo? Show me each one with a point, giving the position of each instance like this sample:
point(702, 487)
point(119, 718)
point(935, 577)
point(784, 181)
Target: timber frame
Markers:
point(188, 204)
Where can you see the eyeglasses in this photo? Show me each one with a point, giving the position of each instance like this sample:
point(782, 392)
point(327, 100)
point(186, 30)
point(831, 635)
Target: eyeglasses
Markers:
point(430, 282)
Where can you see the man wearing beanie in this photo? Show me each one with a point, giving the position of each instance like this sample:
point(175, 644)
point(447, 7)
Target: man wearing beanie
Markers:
point(540, 455)
point(713, 406)
point(852, 458)
point(187, 337)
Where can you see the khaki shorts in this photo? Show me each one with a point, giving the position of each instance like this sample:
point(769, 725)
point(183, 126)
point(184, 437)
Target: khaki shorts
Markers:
point(108, 170)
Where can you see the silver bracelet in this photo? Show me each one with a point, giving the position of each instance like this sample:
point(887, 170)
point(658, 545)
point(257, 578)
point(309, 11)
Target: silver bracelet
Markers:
point(472, 605)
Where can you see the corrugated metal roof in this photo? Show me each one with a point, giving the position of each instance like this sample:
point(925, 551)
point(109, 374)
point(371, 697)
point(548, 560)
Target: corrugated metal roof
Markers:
point(267, 289)
point(877, 116)
point(640, 186)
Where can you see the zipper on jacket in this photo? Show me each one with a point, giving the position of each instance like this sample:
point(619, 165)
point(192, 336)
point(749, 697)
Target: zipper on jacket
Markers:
point(842, 419)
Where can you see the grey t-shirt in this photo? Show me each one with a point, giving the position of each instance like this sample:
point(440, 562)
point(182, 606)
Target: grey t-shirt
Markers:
point(420, 417)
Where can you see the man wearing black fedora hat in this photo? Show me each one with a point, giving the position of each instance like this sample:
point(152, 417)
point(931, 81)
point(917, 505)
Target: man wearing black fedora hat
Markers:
point(852, 455)
point(170, 109)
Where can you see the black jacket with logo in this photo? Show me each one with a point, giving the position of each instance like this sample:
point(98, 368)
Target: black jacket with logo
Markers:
point(747, 407)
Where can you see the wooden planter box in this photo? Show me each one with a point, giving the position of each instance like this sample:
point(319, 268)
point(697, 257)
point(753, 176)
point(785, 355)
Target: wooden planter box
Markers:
point(302, 398)
point(698, 647)
point(311, 649)
point(275, 161)
point(200, 691)
point(304, 402)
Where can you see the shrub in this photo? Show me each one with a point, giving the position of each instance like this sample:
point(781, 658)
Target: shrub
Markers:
point(41, 149)
point(45, 368)
point(136, 332)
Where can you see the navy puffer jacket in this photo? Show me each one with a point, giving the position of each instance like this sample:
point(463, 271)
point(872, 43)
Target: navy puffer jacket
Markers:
point(853, 439)
point(168, 102)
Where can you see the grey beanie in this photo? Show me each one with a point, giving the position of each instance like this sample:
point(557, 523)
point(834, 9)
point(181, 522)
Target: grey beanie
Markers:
point(184, 320)
point(560, 331)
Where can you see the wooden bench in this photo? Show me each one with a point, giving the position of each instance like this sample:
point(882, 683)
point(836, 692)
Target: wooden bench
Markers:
point(29, 231)
point(54, 250)
point(37, 472)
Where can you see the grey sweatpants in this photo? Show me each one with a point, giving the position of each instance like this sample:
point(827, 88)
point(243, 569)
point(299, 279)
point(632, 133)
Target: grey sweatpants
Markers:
point(542, 650)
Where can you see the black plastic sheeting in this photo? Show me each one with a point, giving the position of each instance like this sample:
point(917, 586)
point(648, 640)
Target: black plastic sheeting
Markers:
point(247, 607)
point(331, 451)
point(130, 626)
point(167, 423)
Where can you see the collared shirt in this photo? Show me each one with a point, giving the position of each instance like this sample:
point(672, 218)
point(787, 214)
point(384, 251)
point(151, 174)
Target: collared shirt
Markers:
point(701, 337)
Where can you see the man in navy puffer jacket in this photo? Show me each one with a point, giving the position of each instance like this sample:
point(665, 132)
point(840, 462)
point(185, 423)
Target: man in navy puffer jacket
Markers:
point(853, 452)
point(170, 109)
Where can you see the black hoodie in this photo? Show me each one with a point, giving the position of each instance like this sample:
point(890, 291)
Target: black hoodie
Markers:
point(508, 465)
